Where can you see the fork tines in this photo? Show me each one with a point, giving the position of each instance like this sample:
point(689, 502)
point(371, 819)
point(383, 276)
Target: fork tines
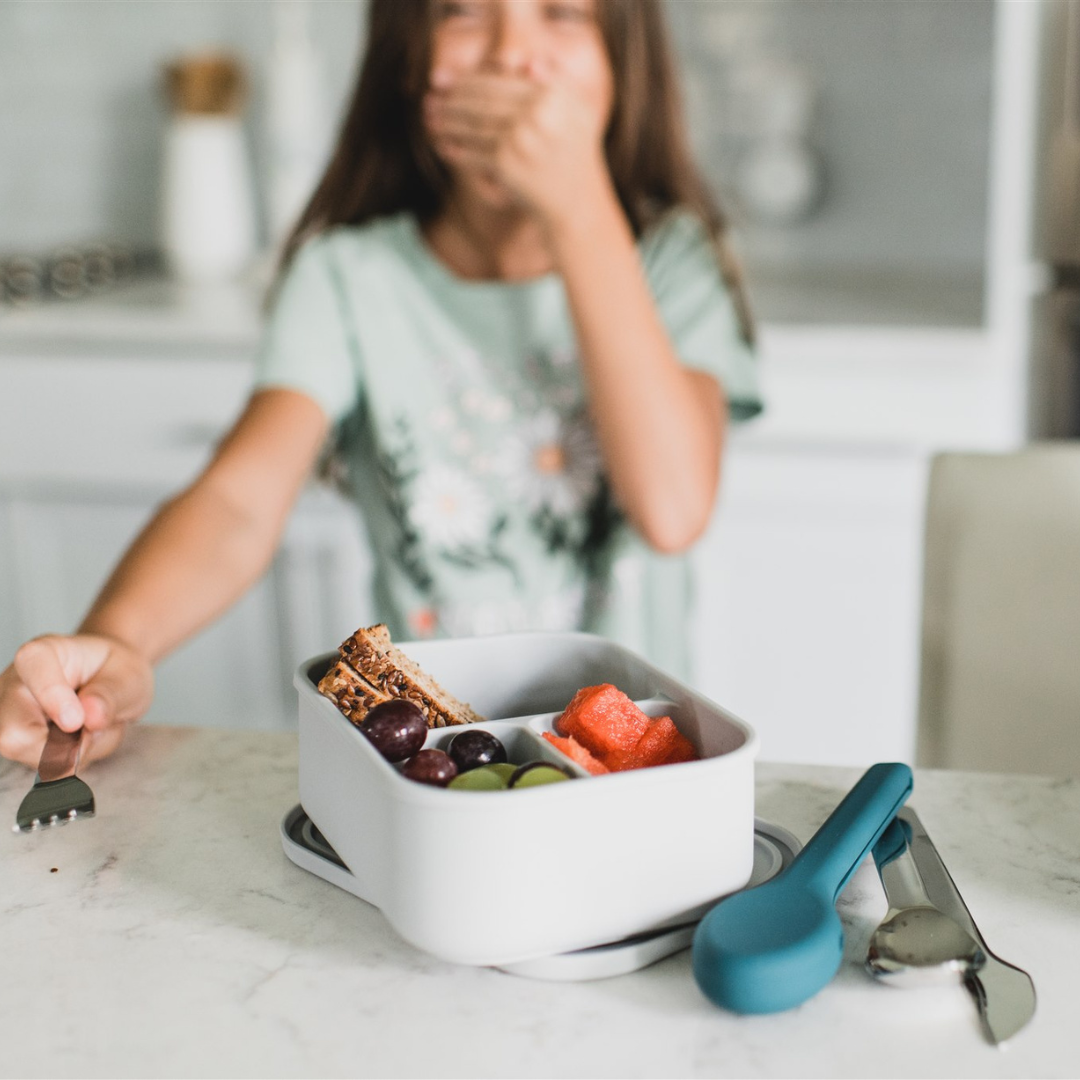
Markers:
point(54, 802)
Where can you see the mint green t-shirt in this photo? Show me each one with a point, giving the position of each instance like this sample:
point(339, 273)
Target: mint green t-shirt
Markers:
point(462, 429)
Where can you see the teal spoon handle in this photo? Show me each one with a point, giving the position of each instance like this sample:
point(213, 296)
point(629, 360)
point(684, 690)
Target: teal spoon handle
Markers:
point(772, 948)
point(827, 862)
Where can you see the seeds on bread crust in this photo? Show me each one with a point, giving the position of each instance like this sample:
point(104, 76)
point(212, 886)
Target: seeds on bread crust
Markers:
point(370, 669)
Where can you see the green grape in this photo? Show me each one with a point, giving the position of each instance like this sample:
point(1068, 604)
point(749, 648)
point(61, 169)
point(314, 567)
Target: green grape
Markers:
point(481, 779)
point(536, 773)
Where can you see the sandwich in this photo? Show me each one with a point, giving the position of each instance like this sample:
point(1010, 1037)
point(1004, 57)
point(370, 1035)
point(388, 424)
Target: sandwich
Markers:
point(370, 669)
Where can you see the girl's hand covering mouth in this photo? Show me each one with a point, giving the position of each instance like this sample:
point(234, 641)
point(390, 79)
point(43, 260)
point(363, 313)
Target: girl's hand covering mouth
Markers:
point(536, 135)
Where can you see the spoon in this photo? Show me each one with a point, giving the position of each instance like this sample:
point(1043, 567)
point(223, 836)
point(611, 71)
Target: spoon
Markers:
point(773, 947)
point(1004, 994)
point(915, 944)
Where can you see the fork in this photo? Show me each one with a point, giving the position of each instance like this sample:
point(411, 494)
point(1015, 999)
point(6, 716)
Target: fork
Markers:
point(58, 795)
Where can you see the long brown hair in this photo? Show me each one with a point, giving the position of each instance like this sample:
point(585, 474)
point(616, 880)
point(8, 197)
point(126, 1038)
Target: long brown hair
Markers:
point(383, 164)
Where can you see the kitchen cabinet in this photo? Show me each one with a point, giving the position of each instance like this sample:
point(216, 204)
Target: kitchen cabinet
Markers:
point(807, 623)
point(59, 546)
point(62, 546)
point(93, 437)
point(809, 605)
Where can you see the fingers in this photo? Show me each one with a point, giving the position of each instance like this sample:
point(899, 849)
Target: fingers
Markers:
point(83, 680)
point(118, 694)
point(22, 723)
point(51, 670)
point(466, 157)
point(99, 744)
point(473, 126)
point(459, 129)
point(470, 122)
point(98, 710)
point(487, 103)
point(483, 85)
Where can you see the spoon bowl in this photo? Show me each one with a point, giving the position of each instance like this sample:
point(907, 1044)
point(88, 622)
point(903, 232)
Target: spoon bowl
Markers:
point(760, 953)
point(922, 946)
point(773, 947)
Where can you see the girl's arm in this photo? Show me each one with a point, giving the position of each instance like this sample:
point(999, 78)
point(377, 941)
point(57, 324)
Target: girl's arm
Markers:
point(196, 556)
point(660, 425)
point(205, 547)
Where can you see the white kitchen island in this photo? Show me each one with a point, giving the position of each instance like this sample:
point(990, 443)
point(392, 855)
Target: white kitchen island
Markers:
point(170, 936)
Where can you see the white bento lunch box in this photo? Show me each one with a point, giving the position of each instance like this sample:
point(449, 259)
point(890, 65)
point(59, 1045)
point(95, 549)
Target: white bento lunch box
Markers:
point(496, 877)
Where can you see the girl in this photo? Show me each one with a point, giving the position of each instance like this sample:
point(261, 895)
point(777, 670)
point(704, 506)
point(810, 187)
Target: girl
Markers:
point(509, 303)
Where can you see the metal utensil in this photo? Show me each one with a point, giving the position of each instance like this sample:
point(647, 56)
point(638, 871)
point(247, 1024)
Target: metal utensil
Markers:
point(915, 944)
point(1003, 993)
point(58, 795)
point(773, 947)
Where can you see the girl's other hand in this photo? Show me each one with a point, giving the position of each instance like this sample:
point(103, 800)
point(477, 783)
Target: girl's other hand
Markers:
point(536, 139)
point(83, 681)
point(520, 99)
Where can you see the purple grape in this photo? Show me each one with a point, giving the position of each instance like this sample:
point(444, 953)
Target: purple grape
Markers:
point(397, 729)
point(430, 767)
point(476, 747)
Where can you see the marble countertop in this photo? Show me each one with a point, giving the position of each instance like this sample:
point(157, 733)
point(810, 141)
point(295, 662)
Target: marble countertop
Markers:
point(171, 936)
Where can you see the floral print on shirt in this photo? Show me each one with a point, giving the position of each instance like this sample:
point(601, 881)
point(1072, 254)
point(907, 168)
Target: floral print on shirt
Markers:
point(540, 461)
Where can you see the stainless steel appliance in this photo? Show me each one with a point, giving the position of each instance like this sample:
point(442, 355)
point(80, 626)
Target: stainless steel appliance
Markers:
point(1054, 401)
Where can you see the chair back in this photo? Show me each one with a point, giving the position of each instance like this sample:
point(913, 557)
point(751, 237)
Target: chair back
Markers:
point(1000, 674)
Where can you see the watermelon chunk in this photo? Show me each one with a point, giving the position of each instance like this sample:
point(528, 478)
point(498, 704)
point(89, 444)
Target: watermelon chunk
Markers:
point(682, 750)
point(660, 741)
point(576, 752)
point(603, 720)
point(604, 731)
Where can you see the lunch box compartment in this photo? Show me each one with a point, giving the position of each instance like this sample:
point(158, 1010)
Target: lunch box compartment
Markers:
point(491, 674)
point(497, 877)
point(521, 738)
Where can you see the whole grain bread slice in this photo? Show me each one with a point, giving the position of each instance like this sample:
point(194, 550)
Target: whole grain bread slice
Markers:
point(371, 669)
point(350, 692)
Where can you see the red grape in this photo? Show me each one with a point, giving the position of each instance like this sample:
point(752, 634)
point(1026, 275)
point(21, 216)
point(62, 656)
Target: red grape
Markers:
point(430, 767)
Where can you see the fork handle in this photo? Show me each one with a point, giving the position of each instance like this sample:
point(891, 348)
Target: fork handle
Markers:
point(899, 875)
point(60, 757)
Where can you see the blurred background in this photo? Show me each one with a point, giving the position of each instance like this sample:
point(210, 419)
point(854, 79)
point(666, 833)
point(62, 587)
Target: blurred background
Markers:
point(850, 141)
point(900, 177)
point(86, 107)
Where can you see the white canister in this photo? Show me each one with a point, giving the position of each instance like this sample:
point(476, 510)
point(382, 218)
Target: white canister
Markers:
point(208, 208)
